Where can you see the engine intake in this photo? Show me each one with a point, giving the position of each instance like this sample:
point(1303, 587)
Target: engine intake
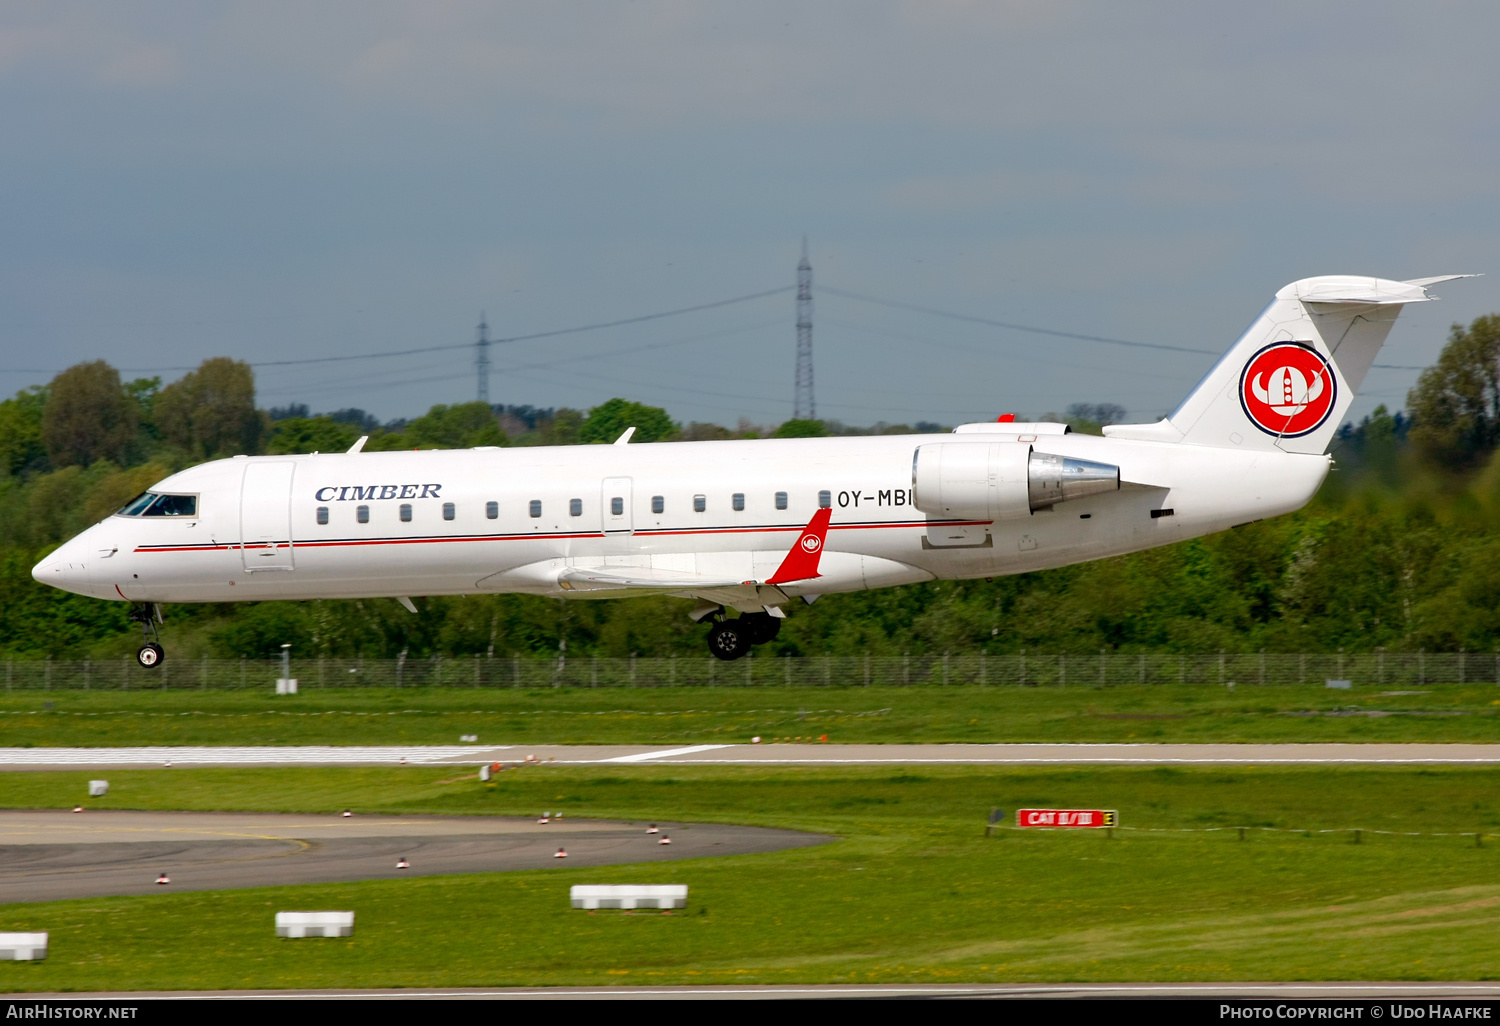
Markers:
point(1001, 480)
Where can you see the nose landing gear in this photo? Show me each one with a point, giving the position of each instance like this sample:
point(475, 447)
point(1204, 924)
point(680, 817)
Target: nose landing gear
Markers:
point(148, 615)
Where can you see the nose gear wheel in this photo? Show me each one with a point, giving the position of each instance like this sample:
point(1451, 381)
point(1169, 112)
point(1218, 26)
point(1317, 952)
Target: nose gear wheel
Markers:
point(148, 615)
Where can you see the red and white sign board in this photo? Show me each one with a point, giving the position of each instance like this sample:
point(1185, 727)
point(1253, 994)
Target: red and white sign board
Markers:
point(1067, 818)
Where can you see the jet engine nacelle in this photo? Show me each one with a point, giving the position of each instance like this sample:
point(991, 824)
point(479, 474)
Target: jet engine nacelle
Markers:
point(1001, 480)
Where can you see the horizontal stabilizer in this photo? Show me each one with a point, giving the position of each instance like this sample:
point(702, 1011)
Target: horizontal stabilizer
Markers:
point(1347, 289)
point(1424, 282)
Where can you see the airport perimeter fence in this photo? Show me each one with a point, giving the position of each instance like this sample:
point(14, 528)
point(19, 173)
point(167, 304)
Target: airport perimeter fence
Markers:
point(1220, 669)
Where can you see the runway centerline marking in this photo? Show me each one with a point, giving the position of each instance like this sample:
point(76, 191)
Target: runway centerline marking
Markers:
point(646, 756)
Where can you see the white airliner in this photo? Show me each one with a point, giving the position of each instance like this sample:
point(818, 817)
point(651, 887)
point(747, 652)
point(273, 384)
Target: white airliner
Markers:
point(754, 525)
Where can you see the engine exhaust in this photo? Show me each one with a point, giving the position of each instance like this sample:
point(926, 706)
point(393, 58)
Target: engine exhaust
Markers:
point(1051, 479)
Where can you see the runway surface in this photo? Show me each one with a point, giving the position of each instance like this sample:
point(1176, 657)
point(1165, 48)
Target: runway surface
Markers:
point(45, 856)
point(746, 754)
point(1479, 994)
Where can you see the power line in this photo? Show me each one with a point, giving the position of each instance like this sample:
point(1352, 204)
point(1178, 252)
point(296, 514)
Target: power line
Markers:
point(538, 334)
point(1047, 331)
point(366, 384)
point(554, 333)
point(1033, 329)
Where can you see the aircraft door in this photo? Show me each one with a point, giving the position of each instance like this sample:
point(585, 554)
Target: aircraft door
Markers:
point(616, 506)
point(266, 516)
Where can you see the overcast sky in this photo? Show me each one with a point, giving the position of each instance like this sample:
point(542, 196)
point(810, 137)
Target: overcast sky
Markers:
point(283, 181)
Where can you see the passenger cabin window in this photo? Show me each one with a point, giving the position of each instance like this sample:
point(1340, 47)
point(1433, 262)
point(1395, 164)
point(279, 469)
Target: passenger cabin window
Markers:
point(700, 503)
point(658, 504)
point(492, 510)
point(406, 512)
point(448, 511)
point(575, 507)
point(739, 502)
point(152, 504)
point(362, 514)
point(617, 506)
point(781, 500)
point(322, 514)
point(825, 500)
point(536, 507)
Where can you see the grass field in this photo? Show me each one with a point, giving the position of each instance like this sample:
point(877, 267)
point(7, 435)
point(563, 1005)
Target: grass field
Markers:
point(1166, 712)
point(913, 891)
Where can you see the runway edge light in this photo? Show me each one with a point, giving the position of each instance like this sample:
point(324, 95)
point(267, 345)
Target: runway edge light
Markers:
point(23, 947)
point(627, 896)
point(314, 924)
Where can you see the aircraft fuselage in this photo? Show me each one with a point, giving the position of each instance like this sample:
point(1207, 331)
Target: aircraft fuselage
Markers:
point(292, 527)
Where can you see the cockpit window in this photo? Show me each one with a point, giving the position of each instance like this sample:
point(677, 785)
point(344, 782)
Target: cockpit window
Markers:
point(173, 506)
point(150, 504)
point(134, 507)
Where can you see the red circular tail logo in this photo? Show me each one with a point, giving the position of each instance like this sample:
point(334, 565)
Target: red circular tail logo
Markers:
point(1288, 389)
point(811, 543)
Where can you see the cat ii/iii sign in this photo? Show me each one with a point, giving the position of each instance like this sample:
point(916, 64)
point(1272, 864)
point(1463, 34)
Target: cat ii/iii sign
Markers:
point(1067, 818)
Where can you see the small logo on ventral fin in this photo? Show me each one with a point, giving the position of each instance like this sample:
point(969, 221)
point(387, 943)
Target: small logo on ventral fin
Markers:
point(1288, 389)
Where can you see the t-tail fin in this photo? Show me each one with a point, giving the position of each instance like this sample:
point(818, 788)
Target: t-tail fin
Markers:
point(1287, 383)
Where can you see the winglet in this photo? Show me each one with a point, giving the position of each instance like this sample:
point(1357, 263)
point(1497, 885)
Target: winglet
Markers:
point(801, 563)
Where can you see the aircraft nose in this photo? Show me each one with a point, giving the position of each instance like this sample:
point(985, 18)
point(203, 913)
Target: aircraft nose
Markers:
point(65, 568)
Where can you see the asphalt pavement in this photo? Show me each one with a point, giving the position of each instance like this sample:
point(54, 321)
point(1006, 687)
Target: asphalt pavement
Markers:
point(750, 755)
point(47, 855)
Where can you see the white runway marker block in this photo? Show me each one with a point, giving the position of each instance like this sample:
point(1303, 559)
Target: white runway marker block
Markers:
point(315, 924)
point(98, 788)
point(593, 896)
point(286, 686)
point(23, 947)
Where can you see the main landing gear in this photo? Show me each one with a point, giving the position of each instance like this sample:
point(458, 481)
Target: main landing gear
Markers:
point(148, 615)
point(730, 639)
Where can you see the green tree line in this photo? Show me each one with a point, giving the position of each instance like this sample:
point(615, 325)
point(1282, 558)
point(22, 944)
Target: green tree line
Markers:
point(1399, 549)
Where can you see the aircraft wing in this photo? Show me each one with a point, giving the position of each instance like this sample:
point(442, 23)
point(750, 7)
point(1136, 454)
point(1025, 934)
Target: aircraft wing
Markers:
point(800, 564)
point(593, 578)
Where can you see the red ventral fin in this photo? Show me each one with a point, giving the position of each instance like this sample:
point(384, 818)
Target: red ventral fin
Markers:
point(801, 563)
